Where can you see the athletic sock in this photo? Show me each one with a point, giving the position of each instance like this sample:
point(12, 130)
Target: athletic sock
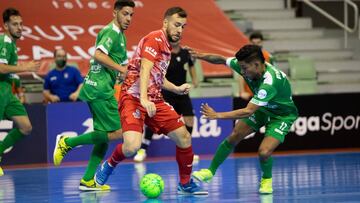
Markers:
point(222, 152)
point(97, 155)
point(117, 156)
point(11, 139)
point(266, 167)
point(95, 137)
point(184, 158)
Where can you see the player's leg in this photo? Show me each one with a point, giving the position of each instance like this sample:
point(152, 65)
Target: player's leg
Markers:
point(267, 146)
point(240, 131)
point(12, 109)
point(276, 129)
point(106, 122)
point(131, 144)
point(168, 122)
point(106, 127)
point(87, 183)
point(132, 124)
point(141, 153)
point(15, 111)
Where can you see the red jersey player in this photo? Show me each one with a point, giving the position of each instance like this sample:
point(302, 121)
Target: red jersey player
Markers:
point(142, 102)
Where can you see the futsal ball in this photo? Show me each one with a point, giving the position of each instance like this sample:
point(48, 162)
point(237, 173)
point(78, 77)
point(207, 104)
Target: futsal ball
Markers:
point(151, 185)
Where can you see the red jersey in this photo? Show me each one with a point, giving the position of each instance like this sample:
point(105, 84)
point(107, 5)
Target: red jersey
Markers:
point(156, 48)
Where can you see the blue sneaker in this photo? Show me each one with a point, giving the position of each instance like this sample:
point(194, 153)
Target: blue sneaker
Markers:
point(191, 188)
point(103, 173)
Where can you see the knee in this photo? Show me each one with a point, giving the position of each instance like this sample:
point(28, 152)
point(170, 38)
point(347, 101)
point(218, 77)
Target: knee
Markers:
point(264, 153)
point(130, 150)
point(26, 129)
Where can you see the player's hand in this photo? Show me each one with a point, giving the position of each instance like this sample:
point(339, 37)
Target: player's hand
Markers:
point(32, 66)
point(183, 89)
point(74, 96)
point(149, 106)
point(54, 99)
point(208, 112)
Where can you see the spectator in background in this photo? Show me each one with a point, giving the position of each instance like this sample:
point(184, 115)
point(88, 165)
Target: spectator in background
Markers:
point(63, 83)
point(17, 88)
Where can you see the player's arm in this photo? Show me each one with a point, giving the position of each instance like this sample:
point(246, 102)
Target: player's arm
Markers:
point(31, 66)
point(208, 57)
point(145, 69)
point(106, 61)
point(74, 96)
point(210, 113)
point(182, 89)
point(79, 81)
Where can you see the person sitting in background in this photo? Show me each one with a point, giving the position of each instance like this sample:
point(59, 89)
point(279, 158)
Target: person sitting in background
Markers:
point(63, 83)
point(17, 88)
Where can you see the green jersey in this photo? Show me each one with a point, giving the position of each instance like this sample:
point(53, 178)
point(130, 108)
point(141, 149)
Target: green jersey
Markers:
point(8, 55)
point(272, 92)
point(100, 80)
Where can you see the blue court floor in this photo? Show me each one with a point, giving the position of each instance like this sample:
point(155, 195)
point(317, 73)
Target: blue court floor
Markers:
point(299, 178)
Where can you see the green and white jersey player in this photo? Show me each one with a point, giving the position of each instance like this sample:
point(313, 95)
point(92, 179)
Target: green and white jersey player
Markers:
point(272, 106)
point(10, 106)
point(109, 59)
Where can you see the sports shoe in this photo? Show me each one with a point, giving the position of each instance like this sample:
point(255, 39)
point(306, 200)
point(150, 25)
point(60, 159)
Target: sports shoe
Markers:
point(92, 186)
point(196, 159)
point(61, 149)
point(204, 175)
point(191, 188)
point(266, 186)
point(1, 171)
point(140, 155)
point(103, 173)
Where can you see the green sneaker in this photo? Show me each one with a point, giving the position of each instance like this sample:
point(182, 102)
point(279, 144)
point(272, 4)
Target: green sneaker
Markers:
point(266, 186)
point(61, 149)
point(204, 175)
point(1, 171)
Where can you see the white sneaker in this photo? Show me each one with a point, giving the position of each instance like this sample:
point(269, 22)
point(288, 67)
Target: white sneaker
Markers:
point(140, 155)
point(196, 159)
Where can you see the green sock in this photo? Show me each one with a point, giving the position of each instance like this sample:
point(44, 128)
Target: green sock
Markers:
point(266, 167)
point(13, 137)
point(95, 137)
point(97, 155)
point(222, 152)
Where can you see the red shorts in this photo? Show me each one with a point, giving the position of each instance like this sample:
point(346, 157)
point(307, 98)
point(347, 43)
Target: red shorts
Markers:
point(133, 116)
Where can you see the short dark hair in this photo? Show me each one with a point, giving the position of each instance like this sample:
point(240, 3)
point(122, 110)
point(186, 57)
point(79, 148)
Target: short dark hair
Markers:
point(249, 53)
point(175, 10)
point(256, 35)
point(8, 13)
point(119, 4)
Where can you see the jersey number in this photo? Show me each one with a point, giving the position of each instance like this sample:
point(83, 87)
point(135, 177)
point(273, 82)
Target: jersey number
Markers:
point(283, 126)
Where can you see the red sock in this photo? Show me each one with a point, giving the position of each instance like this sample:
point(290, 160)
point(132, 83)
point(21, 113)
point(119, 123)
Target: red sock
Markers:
point(117, 156)
point(184, 158)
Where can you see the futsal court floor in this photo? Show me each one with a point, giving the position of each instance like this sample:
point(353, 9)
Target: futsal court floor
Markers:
point(329, 177)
